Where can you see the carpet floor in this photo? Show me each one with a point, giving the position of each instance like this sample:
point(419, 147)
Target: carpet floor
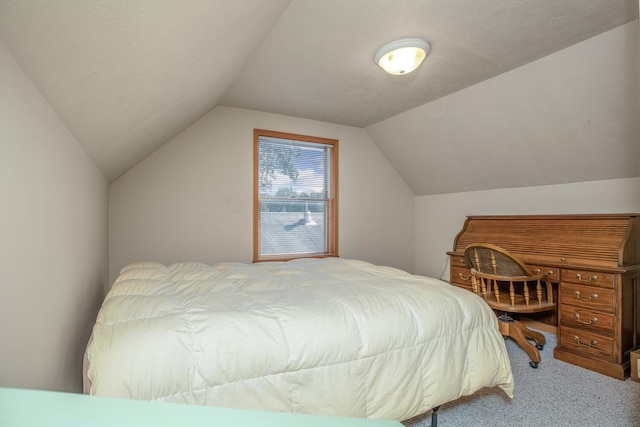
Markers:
point(555, 394)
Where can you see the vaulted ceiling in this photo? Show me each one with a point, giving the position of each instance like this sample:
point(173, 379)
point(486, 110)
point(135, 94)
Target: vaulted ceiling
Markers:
point(126, 76)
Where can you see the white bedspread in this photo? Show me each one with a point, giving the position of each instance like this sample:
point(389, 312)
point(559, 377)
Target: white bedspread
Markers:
point(324, 336)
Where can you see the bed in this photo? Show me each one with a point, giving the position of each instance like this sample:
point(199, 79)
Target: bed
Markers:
point(328, 336)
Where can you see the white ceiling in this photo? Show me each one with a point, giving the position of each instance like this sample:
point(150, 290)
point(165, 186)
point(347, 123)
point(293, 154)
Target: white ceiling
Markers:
point(126, 76)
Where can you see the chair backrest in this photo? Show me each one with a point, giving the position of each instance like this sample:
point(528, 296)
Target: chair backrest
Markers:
point(492, 259)
point(504, 281)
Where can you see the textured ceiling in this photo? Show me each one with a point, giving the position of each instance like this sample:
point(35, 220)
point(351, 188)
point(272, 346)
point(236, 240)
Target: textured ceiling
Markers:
point(127, 76)
point(317, 62)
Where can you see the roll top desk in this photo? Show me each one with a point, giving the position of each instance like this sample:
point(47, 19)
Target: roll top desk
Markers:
point(595, 262)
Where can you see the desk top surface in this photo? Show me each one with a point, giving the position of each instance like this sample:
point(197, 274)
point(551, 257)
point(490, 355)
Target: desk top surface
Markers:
point(27, 408)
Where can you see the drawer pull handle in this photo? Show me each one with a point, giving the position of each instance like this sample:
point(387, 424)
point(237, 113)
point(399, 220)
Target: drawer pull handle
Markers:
point(548, 273)
point(462, 261)
point(467, 277)
point(590, 345)
point(577, 317)
point(592, 297)
point(593, 277)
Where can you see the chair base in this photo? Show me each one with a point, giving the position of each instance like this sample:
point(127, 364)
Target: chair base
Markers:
point(521, 334)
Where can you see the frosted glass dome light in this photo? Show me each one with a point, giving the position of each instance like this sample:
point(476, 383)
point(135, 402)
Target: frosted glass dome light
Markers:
point(402, 56)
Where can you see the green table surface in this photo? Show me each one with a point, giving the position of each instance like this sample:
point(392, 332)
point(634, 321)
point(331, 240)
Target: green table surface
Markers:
point(36, 408)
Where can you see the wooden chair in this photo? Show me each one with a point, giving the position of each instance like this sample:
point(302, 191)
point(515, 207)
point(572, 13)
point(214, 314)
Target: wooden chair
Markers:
point(506, 284)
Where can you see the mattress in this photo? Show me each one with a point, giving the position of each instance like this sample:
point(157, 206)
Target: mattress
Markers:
point(329, 336)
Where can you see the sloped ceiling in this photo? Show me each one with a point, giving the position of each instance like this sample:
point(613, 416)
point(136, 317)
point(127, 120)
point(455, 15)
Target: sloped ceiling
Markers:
point(127, 76)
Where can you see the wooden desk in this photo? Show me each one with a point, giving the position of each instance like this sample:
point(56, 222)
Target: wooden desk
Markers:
point(34, 408)
point(595, 262)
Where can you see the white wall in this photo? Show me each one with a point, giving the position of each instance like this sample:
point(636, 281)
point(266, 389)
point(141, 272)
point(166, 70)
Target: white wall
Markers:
point(193, 198)
point(53, 249)
point(440, 217)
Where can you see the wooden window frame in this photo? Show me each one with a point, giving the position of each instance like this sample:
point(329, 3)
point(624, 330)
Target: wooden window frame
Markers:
point(332, 209)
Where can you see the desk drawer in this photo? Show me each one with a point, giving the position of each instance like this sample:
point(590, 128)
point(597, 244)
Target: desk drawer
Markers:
point(586, 343)
point(461, 277)
point(459, 261)
point(589, 278)
point(587, 297)
point(587, 320)
point(552, 273)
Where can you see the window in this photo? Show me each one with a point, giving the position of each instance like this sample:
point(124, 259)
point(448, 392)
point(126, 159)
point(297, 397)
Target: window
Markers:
point(295, 201)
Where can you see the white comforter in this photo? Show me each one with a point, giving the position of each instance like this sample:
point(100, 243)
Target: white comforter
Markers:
point(330, 336)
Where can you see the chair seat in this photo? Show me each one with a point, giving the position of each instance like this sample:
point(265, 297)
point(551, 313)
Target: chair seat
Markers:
point(521, 307)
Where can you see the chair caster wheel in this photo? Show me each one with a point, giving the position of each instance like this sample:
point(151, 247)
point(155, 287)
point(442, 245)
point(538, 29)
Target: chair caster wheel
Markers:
point(539, 346)
point(533, 364)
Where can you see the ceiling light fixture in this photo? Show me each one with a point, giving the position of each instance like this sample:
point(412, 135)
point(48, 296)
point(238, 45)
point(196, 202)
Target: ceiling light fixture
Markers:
point(402, 56)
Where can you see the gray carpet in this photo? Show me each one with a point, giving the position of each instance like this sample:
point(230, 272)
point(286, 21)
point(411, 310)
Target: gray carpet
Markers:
point(555, 394)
